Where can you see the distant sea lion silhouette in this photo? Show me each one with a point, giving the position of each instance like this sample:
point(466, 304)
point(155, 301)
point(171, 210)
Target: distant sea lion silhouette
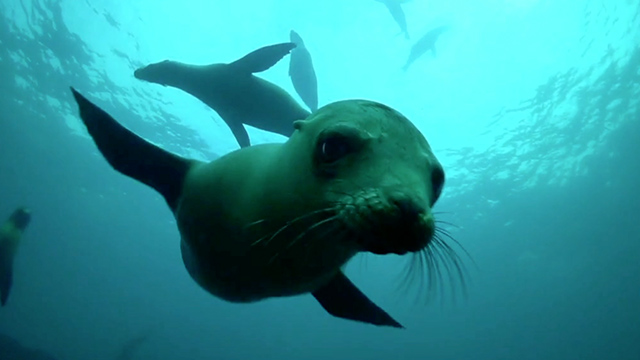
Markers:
point(395, 9)
point(238, 96)
point(10, 235)
point(302, 74)
point(131, 347)
point(11, 349)
point(427, 42)
point(281, 219)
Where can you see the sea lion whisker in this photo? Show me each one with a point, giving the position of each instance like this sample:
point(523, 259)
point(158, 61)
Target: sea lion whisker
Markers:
point(290, 223)
point(433, 261)
point(447, 223)
point(311, 228)
point(409, 275)
point(447, 234)
point(452, 258)
point(445, 259)
point(461, 269)
point(428, 267)
point(442, 212)
point(413, 269)
point(254, 223)
point(435, 257)
point(301, 235)
point(439, 265)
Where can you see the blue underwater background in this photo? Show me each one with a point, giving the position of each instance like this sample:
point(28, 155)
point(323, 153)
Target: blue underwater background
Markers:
point(532, 107)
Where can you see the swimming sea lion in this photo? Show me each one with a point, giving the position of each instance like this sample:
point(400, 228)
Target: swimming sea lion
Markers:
point(132, 346)
point(395, 9)
point(11, 349)
point(10, 234)
point(238, 96)
point(427, 42)
point(276, 220)
point(302, 74)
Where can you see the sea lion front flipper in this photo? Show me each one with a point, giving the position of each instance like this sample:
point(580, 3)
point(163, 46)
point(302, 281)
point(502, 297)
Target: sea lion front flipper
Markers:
point(263, 58)
point(240, 133)
point(341, 298)
point(132, 155)
point(6, 279)
point(405, 33)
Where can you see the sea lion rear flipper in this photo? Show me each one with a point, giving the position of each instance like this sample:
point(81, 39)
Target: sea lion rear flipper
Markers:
point(240, 133)
point(6, 280)
point(263, 58)
point(341, 298)
point(133, 156)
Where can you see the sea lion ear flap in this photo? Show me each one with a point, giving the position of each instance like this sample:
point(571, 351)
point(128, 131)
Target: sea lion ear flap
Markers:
point(263, 58)
point(342, 299)
point(299, 124)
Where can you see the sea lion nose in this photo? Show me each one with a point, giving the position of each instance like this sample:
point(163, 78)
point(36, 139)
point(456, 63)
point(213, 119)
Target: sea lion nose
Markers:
point(414, 228)
point(410, 210)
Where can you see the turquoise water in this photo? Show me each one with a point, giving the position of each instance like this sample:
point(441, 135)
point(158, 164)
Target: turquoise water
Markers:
point(531, 106)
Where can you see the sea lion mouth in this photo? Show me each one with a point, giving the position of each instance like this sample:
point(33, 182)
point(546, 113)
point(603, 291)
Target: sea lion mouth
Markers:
point(385, 225)
point(400, 238)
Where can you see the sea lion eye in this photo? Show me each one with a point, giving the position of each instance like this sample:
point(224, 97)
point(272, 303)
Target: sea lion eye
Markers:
point(437, 181)
point(333, 148)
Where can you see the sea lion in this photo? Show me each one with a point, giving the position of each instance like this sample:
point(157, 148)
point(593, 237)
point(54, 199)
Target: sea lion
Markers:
point(395, 9)
point(238, 96)
point(131, 347)
point(282, 219)
point(12, 349)
point(302, 74)
point(10, 234)
point(427, 42)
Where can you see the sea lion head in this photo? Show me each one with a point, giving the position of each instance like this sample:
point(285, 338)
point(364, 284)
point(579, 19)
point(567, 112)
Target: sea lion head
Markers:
point(375, 171)
point(21, 218)
point(164, 73)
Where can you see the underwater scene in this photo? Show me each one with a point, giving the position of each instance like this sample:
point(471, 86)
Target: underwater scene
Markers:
point(350, 180)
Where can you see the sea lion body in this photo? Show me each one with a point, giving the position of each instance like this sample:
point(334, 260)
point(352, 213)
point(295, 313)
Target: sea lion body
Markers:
point(282, 219)
point(10, 234)
point(395, 9)
point(425, 43)
point(250, 191)
point(234, 92)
